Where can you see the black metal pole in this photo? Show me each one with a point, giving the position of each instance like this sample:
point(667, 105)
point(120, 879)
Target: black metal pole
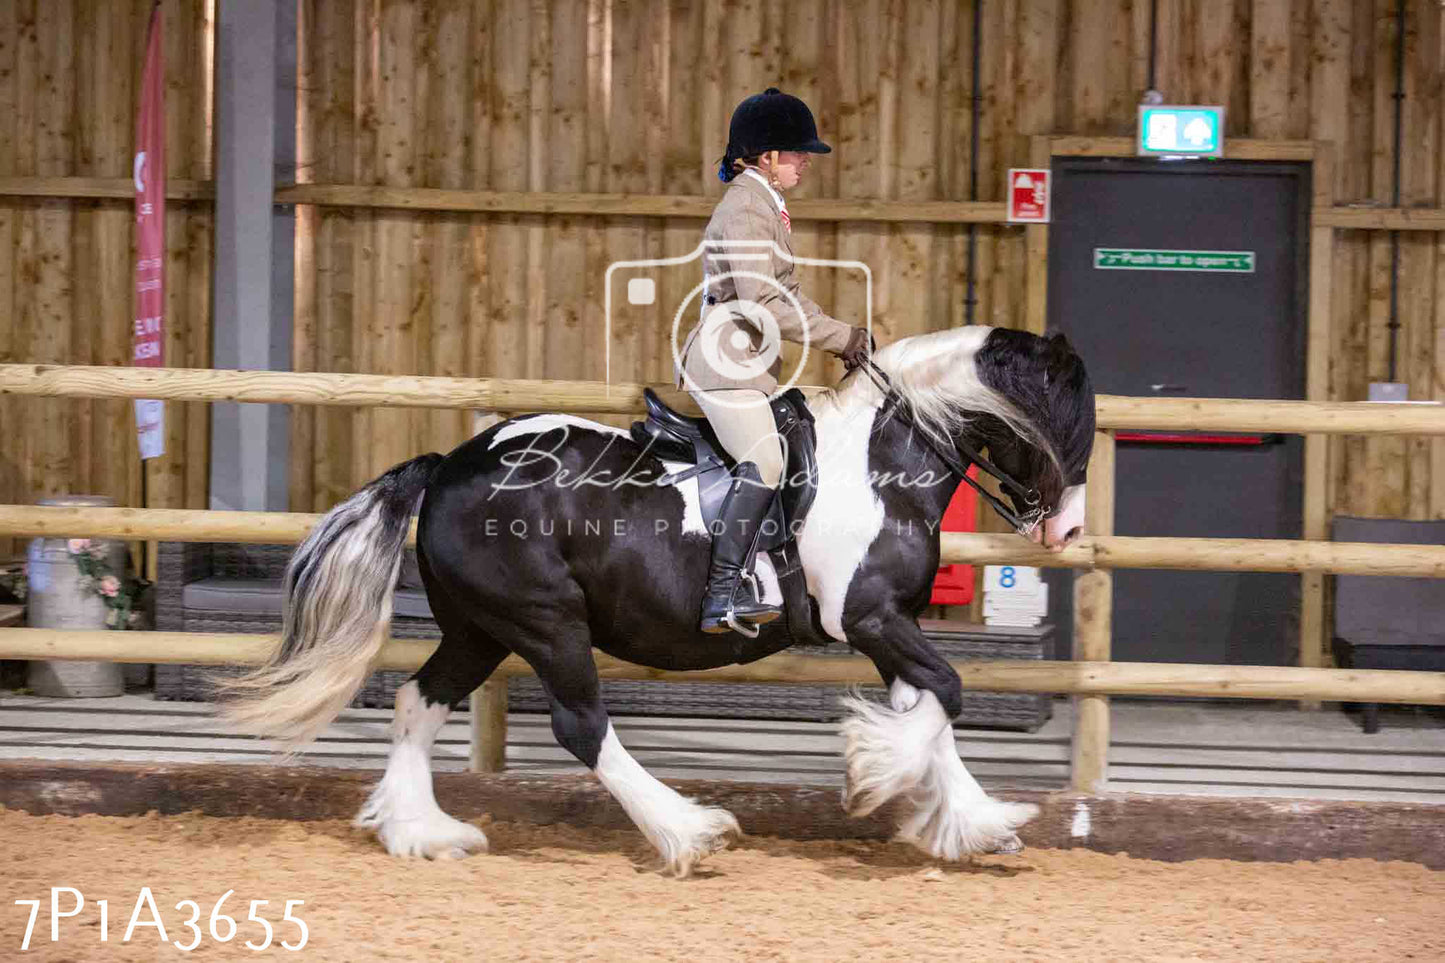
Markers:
point(1399, 95)
point(970, 298)
point(1153, 42)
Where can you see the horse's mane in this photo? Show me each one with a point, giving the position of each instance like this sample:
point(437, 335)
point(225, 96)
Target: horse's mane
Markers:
point(937, 378)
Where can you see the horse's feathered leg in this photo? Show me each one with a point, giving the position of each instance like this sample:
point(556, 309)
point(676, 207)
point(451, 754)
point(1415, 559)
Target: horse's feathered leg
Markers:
point(682, 831)
point(402, 808)
point(907, 749)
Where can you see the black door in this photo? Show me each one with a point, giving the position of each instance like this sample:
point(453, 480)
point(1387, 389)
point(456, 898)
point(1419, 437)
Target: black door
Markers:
point(1186, 278)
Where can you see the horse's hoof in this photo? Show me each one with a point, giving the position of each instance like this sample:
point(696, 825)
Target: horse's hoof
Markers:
point(718, 830)
point(438, 836)
point(1008, 847)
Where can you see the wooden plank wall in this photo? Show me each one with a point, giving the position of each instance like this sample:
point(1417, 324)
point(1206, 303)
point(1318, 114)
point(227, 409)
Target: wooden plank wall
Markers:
point(608, 95)
point(69, 76)
point(615, 97)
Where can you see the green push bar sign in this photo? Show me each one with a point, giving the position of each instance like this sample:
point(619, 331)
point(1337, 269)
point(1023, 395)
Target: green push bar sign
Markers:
point(1148, 259)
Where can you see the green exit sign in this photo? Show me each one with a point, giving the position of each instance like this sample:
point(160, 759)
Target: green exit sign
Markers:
point(1181, 131)
point(1153, 259)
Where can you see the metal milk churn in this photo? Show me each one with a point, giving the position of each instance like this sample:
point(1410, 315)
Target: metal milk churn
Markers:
point(60, 599)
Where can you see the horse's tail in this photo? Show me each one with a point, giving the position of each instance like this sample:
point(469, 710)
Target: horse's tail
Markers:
point(337, 607)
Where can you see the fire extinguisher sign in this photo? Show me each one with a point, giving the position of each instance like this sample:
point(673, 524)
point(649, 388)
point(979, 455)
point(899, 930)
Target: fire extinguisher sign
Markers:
point(1028, 195)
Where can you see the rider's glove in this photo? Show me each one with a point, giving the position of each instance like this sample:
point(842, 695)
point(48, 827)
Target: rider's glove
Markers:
point(860, 346)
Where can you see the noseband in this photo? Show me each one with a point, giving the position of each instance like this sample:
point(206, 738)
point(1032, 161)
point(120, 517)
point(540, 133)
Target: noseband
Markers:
point(1024, 524)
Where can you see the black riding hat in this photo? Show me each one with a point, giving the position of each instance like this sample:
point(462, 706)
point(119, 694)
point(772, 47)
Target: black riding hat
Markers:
point(771, 120)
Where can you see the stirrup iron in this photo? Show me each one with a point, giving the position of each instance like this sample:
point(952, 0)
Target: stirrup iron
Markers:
point(739, 626)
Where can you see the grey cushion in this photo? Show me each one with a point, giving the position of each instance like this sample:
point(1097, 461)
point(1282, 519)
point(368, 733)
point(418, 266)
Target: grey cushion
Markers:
point(248, 596)
point(239, 596)
point(1388, 609)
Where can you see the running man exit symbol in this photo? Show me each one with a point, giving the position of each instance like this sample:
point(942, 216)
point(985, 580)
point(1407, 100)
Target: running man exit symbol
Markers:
point(1028, 195)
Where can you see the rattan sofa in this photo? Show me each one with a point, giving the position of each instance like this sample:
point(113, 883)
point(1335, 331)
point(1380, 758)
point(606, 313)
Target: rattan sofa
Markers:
point(237, 588)
point(1388, 622)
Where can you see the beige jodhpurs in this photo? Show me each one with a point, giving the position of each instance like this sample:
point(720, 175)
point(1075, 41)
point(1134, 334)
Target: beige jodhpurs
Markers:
point(743, 421)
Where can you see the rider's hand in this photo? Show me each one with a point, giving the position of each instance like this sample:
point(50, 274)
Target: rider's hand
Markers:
point(860, 346)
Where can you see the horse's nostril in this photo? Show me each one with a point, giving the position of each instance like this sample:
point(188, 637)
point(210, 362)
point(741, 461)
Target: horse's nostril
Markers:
point(1074, 534)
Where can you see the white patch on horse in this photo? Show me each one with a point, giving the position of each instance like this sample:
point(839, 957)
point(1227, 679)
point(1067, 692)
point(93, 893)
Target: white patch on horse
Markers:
point(909, 750)
point(768, 579)
point(692, 523)
point(402, 808)
point(847, 513)
point(540, 423)
point(682, 831)
point(1069, 517)
point(937, 375)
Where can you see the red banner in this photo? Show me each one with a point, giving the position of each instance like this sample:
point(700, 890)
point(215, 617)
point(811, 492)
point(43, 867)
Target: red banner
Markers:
point(149, 171)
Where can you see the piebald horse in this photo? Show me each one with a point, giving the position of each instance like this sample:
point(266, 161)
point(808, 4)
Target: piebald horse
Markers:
point(547, 535)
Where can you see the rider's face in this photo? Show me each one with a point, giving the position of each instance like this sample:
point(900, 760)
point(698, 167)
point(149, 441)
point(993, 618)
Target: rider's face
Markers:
point(790, 167)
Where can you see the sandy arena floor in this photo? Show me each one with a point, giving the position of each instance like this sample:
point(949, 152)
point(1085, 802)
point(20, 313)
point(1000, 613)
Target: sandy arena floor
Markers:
point(554, 893)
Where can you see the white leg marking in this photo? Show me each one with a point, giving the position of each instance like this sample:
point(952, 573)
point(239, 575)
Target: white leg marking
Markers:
point(682, 831)
point(909, 750)
point(888, 751)
point(401, 808)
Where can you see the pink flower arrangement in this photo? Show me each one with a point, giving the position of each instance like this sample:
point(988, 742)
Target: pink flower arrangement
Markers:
point(92, 561)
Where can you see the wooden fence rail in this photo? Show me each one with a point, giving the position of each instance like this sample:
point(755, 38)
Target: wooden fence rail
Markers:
point(603, 204)
point(1078, 678)
point(595, 397)
point(489, 721)
point(1090, 552)
point(786, 668)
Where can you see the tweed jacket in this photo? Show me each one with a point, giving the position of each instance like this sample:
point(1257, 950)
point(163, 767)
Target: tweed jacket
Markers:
point(733, 350)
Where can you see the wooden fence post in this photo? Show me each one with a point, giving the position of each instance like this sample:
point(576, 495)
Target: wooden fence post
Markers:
point(489, 726)
point(1093, 627)
point(489, 700)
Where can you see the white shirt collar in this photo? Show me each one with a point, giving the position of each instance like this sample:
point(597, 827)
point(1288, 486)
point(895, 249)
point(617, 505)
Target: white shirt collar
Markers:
point(777, 198)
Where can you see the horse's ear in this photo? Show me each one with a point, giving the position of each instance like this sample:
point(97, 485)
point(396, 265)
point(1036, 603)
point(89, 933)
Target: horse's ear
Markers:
point(1058, 354)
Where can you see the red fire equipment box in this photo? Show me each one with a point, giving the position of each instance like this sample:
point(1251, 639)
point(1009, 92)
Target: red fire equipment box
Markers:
point(954, 583)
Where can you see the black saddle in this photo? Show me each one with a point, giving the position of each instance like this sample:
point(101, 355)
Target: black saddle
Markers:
point(675, 437)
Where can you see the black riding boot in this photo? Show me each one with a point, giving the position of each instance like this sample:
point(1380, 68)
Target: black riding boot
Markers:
point(743, 511)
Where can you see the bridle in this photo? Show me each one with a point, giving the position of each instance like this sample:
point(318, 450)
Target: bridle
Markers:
point(1024, 524)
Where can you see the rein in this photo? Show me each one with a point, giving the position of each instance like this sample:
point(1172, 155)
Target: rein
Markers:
point(1023, 524)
